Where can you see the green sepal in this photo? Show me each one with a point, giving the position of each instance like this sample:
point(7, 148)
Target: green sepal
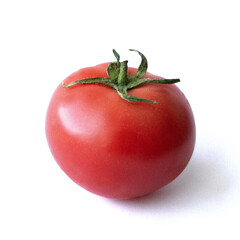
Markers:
point(121, 81)
point(137, 82)
point(105, 81)
point(117, 56)
point(124, 95)
point(142, 69)
point(113, 71)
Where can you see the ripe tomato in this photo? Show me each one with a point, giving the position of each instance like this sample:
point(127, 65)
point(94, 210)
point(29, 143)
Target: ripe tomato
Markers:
point(116, 148)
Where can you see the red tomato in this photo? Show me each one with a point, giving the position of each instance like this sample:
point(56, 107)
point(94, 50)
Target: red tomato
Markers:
point(115, 148)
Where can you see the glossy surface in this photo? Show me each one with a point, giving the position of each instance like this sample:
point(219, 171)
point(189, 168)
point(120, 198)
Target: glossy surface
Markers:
point(118, 149)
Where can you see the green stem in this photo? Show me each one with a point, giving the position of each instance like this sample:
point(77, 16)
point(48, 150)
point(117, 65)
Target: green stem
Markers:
point(122, 77)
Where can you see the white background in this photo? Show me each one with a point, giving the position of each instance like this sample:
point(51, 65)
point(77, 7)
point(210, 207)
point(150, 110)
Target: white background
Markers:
point(42, 42)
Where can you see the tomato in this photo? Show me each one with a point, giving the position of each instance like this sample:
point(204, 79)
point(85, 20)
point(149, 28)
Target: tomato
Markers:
point(117, 148)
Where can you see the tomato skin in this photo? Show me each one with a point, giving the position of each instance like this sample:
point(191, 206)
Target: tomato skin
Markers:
point(115, 148)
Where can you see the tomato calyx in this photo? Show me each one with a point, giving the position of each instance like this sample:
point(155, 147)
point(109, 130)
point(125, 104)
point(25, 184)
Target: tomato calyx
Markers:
point(119, 79)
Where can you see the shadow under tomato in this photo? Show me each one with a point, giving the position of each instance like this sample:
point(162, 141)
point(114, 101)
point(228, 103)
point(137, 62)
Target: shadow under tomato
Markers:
point(205, 179)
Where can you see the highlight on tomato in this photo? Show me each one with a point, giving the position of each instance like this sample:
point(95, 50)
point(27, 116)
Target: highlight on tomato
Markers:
point(120, 132)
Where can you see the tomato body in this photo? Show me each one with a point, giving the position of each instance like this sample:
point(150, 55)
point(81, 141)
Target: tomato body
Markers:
point(115, 148)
